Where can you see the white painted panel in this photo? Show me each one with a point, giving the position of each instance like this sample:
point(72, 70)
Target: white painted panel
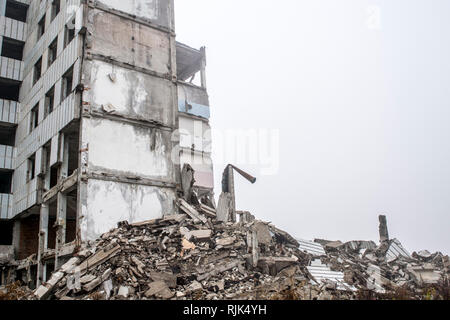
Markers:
point(127, 148)
point(109, 203)
point(195, 133)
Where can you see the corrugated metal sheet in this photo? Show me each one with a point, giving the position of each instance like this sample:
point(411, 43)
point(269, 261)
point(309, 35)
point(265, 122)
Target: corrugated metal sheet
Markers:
point(375, 279)
point(322, 273)
point(310, 247)
point(396, 250)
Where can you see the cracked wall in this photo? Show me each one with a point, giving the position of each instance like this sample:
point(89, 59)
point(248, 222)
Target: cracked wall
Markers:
point(130, 116)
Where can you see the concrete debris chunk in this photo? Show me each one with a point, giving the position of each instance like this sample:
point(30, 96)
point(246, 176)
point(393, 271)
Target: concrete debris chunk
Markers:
point(159, 289)
point(192, 212)
point(226, 241)
point(123, 292)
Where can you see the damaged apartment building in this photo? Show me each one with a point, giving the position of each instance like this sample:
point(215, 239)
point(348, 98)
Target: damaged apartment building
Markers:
point(99, 110)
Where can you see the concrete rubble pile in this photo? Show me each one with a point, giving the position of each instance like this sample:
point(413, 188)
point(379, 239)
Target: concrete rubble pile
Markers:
point(178, 257)
point(203, 253)
point(182, 257)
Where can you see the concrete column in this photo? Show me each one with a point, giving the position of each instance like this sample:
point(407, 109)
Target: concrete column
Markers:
point(203, 69)
point(61, 210)
point(16, 238)
point(43, 244)
point(384, 235)
point(232, 193)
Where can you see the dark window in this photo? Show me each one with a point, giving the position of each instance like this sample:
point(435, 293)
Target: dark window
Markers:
point(37, 71)
point(54, 176)
point(34, 117)
point(41, 27)
point(56, 7)
point(46, 155)
point(9, 89)
point(49, 101)
point(16, 10)
point(69, 33)
point(5, 182)
point(67, 82)
point(12, 48)
point(31, 167)
point(8, 135)
point(6, 233)
point(52, 52)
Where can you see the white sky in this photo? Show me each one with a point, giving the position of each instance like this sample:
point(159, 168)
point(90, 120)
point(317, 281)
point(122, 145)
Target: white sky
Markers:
point(362, 109)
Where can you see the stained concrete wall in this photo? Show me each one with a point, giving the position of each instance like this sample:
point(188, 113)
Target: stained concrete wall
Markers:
point(110, 202)
point(129, 93)
point(129, 42)
point(129, 116)
point(156, 11)
point(128, 150)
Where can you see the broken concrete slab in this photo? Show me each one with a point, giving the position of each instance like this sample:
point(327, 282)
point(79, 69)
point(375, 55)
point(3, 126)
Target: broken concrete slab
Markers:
point(262, 233)
point(192, 212)
point(224, 207)
point(159, 289)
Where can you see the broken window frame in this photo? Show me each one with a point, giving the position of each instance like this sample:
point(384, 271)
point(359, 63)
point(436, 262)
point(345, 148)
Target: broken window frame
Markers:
point(31, 168)
point(67, 83)
point(37, 71)
point(69, 32)
point(49, 102)
point(56, 8)
point(34, 118)
point(52, 51)
point(41, 28)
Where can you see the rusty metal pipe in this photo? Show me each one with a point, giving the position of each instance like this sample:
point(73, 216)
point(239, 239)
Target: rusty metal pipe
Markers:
point(244, 174)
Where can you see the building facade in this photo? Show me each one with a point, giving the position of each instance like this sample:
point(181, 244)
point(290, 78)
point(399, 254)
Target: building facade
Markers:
point(97, 116)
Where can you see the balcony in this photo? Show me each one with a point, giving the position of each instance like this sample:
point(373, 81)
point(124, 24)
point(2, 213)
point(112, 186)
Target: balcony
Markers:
point(190, 61)
point(6, 201)
point(8, 111)
point(11, 68)
point(6, 157)
point(13, 29)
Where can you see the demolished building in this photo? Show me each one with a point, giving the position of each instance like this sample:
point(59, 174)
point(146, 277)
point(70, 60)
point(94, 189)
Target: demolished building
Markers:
point(97, 116)
point(107, 185)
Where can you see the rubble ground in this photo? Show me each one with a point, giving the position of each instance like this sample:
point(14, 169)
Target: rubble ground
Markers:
point(200, 258)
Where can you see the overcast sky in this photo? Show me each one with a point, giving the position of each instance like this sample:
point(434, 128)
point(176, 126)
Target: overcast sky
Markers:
point(359, 93)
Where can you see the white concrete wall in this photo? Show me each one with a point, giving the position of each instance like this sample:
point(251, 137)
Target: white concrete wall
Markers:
point(126, 149)
point(130, 93)
point(110, 202)
point(155, 10)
